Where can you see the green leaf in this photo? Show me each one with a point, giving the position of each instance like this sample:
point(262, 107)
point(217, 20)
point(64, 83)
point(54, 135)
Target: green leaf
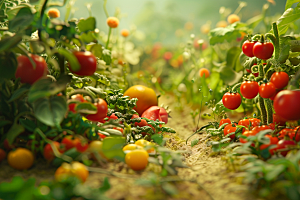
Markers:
point(13, 187)
point(105, 185)
point(50, 111)
point(19, 92)
point(106, 56)
point(87, 37)
point(96, 49)
point(112, 148)
point(158, 138)
point(4, 123)
point(229, 76)
point(8, 65)
point(275, 172)
point(14, 131)
point(289, 16)
point(289, 3)
point(232, 59)
point(169, 188)
point(28, 124)
point(73, 62)
point(194, 142)
point(86, 107)
point(88, 24)
point(45, 88)
point(22, 19)
point(284, 53)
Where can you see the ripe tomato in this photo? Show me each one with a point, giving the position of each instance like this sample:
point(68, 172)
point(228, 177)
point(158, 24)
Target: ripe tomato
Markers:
point(75, 169)
point(77, 97)
point(223, 121)
point(286, 104)
point(68, 142)
point(232, 100)
point(248, 133)
point(130, 147)
point(20, 158)
point(101, 111)
point(205, 72)
point(2, 155)
point(284, 132)
point(146, 97)
point(48, 152)
point(249, 89)
point(273, 140)
point(279, 120)
point(152, 113)
point(280, 79)
point(248, 48)
point(229, 129)
point(112, 22)
point(27, 73)
point(295, 135)
point(140, 124)
point(261, 128)
point(264, 50)
point(137, 159)
point(283, 144)
point(267, 90)
point(87, 61)
point(246, 122)
point(80, 145)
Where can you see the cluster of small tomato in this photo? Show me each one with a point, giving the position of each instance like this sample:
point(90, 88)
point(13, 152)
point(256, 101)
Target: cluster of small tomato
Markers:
point(281, 138)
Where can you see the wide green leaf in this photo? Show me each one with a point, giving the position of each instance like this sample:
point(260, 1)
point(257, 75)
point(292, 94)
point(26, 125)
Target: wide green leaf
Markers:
point(8, 65)
point(88, 24)
point(289, 16)
point(14, 131)
point(232, 59)
point(21, 20)
point(28, 124)
point(19, 92)
point(45, 88)
point(8, 42)
point(289, 3)
point(50, 111)
point(86, 108)
point(112, 148)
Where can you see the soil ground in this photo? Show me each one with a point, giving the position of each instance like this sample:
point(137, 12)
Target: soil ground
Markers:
point(212, 180)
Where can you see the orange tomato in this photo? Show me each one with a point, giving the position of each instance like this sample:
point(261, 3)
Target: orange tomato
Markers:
point(205, 72)
point(53, 13)
point(20, 159)
point(146, 97)
point(124, 32)
point(221, 24)
point(233, 18)
point(76, 169)
point(112, 22)
point(137, 159)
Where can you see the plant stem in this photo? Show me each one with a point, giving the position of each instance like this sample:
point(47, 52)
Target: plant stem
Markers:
point(277, 47)
point(41, 18)
point(104, 7)
point(109, 33)
point(263, 110)
point(269, 110)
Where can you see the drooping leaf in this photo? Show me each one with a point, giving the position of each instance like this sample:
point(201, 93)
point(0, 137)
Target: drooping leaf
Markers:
point(45, 88)
point(50, 111)
point(289, 16)
point(229, 76)
point(14, 131)
point(96, 49)
point(9, 42)
point(87, 37)
point(232, 59)
point(28, 124)
point(86, 108)
point(21, 20)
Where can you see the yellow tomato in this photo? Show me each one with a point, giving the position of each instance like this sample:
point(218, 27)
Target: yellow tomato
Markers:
point(137, 159)
point(20, 159)
point(144, 143)
point(76, 169)
point(130, 147)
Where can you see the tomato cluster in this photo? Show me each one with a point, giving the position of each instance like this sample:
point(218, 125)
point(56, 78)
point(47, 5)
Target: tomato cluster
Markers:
point(261, 50)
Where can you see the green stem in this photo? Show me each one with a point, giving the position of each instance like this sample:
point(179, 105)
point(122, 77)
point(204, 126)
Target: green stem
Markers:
point(263, 110)
point(109, 33)
point(41, 18)
point(81, 91)
point(268, 104)
point(234, 88)
point(104, 7)
point(277, 44)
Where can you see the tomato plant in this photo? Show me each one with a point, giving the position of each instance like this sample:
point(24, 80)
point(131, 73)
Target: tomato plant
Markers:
point(101, 111)
point(80, 145)
point(273, 141)
point(223, 121)
point(231, 100)
point(280, 79)
point(247, 48)
point(48, 151)
point(267, 90)
point(263, 50)
point(286, 104)
point(87, 61)
point(75, 169)
point(29, 73)
point(249, 89)
point(20, 158)
point(247, 134)
point(229, 128)
point(137, 159)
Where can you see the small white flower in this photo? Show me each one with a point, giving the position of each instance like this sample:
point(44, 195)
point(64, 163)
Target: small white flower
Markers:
point(186, 55)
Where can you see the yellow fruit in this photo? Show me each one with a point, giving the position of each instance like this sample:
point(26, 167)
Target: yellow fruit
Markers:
point(20, 159)
point(233, 18)
point(76, 169)
point(129, 147)
point(137, 159)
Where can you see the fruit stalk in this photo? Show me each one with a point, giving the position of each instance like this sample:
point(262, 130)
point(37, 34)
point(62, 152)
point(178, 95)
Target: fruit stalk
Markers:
point(269, 110)
point(262, 110)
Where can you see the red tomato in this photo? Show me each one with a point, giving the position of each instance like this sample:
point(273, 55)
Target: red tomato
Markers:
point(229, 129)
point(77, 97)
point(248, 133)
point(101, 111)
point(267, 90)
point(87, 61)
point(48, 152)
point(68, 141)
point(283, 144)
point(249, 89)
point(152, 113)
point(248, 48)
point(286, 104)
point(8, 146)
point(284, 132)
point(246, 122)
point(223, 121)
point(232, 100)
point(295, 135)
point(280, 79)
point(273, 140)
point(264, 50)
point(102, 135)
point(140, 124)
point(27, 73)
point(261, 128)
point(80, 145)
point(279, 120)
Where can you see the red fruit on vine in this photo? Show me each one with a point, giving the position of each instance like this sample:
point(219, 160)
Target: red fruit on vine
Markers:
point(273, 141)
point(248, 48)
point(140, 124)
point(280, 79)
point(152, 113)
point(48, 151)
point(286, 104)
point(229, 128)
point(249, 89)
point(279, 120)
point(87, 61)
point(27, 73)
point(267, 90)
point(263, 50)
point(223, 121)
point(284, 144)
point(231, 100)
point(101, 111)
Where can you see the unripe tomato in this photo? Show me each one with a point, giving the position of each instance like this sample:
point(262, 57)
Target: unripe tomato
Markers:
point(137, 159)
point(232, 100)
point(280, 79)
point(286, 104)
point(249, 89)
point(248, 48)
point(27, 72)
point(87, 61)
point(96, 147)
point(144, 143)
point(101, 111)
point(264, 50)
point(267, 90)
point(75, 169)
point(20, 159)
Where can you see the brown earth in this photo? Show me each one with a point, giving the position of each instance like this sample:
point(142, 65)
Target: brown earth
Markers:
point(210, 174)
